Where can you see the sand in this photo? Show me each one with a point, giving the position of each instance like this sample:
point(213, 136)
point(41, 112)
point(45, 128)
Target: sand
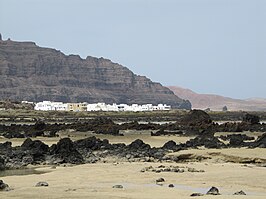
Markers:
point(223, 168)
point(96, 181)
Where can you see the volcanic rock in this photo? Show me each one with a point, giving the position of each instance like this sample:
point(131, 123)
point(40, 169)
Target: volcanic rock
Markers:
point(237, 140)
point(160, 180)
point(4, 186)
point(213, 191)
point(240, 193)
point(92, 143)
point(139, 145)
point(118, 186)
point(35, 150)
point(196, 194)
point(260, 142)
point(251, 119)
point(163, 132)
point(196, 118)
point(171, 145)
point(42, 184)
point(206, 140)
point(65, 152)
point(2, 163)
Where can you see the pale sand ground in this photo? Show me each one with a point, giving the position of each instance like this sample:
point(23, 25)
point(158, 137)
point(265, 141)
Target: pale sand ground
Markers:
point(96, 180)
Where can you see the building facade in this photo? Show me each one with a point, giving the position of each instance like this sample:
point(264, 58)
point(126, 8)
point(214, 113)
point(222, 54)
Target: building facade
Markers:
point(78, 107)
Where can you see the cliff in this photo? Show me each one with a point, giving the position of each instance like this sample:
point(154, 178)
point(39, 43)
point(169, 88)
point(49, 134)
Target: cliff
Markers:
point(32, 73)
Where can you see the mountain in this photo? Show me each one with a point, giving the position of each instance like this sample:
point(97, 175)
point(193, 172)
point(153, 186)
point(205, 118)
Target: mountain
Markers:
point(217, 102)
point(32, 73)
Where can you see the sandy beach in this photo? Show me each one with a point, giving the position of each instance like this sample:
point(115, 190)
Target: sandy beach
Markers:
point(97, 180)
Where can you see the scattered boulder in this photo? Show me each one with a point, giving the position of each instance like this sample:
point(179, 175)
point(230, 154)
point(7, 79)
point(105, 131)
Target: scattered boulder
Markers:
point(213, 191)
point(170, 145)
point(170, 168)
point(4, 186)
point(240, 193)
point(139, 145)
point(196, 194)
point(171, 185)
point(118, 186)
point(160, 180)
point(193, 170)
point(42, 184)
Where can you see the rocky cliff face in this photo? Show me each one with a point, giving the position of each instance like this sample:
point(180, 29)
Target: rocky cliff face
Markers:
point(29, 72)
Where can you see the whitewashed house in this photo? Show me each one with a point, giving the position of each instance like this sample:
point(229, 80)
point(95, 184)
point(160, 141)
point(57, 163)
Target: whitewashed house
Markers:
point(112, 107)
point(102, 107)
point(60, 106)
point(163, 107)
point(95, 107)
point(43, 106)
point(50, 106)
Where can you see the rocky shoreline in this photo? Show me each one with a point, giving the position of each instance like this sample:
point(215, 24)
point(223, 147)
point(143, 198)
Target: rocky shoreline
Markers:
point(92, 149)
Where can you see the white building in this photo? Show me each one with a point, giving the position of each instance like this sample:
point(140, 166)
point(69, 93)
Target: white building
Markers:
point(60, 106)
point(102, 107)
point(163, 107)
point(50, 106)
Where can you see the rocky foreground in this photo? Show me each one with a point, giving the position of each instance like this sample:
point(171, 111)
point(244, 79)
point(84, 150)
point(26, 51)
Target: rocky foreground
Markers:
point(92, 149)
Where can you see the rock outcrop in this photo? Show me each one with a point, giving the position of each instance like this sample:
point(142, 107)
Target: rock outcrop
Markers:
point(32, 73)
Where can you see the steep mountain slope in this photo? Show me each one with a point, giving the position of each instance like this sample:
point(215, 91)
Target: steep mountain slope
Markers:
point(29, 72)
point(216, 102)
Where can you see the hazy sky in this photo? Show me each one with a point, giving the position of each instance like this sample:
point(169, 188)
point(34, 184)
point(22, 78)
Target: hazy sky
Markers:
point(209, 46)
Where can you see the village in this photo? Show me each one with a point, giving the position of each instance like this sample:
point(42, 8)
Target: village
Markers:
point(84, 106)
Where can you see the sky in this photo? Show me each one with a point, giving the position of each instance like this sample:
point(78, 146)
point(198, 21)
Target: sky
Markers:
point(208, 46)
